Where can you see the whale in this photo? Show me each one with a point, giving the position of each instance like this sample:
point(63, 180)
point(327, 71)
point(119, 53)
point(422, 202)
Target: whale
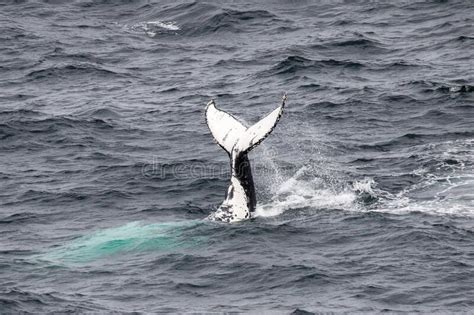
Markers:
point(238, 140)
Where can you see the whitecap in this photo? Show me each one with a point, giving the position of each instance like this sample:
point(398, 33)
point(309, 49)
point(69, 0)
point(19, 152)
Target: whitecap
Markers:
point(153, 28)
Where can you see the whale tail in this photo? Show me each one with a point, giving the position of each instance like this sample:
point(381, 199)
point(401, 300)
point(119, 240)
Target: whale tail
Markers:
point(232, 135)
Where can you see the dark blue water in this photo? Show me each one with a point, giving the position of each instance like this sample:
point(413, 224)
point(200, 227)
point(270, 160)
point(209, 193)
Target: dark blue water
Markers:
point(107, 168)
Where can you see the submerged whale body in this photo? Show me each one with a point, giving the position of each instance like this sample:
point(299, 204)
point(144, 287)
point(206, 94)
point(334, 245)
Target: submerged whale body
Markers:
point(238, 140)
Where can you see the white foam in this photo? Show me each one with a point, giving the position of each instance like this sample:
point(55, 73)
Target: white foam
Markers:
point(365, 186)
point(166, 25)
point(444, 185)
point(445, 188)
point(297, 193)
point(153, 28)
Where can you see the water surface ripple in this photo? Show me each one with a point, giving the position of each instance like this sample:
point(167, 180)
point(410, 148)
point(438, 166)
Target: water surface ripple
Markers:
point(365, 188)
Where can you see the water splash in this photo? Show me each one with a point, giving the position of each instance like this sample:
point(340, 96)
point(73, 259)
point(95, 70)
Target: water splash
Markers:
point(445, 175)
point(299, 191)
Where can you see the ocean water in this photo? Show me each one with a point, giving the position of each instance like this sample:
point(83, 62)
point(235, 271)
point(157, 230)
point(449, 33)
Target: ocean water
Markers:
point(107, 168)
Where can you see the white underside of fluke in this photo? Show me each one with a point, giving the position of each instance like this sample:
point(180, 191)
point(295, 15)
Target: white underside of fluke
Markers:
point(231, 134)
point(236, 139)
point(224, 127)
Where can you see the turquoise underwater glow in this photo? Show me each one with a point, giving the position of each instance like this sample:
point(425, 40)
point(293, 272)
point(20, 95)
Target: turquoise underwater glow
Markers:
point(128, 238)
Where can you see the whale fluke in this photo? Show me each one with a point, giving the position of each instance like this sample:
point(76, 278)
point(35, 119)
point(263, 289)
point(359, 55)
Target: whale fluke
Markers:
point(232, 134)
point(225, 128)
point(237, 140)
